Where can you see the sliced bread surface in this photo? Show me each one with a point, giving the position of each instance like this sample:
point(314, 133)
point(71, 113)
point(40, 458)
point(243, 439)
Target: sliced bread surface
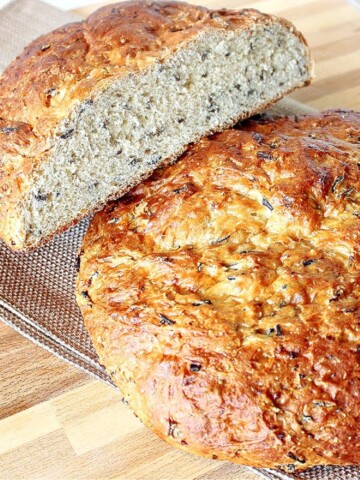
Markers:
point(91, 109)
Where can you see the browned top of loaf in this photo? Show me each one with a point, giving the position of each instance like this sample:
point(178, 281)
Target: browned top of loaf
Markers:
point(76, 61)
point(223, 294)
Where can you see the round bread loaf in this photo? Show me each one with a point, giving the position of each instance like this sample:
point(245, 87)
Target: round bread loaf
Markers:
point(222, 294)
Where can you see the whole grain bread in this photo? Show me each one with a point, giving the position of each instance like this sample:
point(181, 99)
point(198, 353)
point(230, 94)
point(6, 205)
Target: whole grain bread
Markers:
point(222, 294)
point(90, 109)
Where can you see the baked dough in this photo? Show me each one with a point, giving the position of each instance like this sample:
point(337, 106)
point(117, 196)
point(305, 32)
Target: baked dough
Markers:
point(90, 109)
point(222, 294)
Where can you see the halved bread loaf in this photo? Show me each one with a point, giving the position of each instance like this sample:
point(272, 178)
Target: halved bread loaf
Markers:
point(89, 110)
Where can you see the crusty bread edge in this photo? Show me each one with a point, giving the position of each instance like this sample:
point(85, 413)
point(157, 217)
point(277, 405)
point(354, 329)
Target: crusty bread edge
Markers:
point(25, 247)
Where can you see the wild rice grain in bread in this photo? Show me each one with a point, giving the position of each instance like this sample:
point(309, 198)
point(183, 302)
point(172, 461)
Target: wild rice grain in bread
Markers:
point(90, 109)
point(223, 297)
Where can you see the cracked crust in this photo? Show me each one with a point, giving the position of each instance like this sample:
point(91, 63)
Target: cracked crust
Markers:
point(75, 62)
point(222, 294)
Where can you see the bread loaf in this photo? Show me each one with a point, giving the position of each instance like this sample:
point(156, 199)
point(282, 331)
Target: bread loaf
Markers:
point(223, 297)
point(90, 109)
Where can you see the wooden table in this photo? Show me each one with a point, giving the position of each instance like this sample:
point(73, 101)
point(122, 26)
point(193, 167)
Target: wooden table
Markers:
point(56, 422)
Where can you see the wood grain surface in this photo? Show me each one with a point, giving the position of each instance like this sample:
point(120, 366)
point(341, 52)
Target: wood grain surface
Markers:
point(56, 422)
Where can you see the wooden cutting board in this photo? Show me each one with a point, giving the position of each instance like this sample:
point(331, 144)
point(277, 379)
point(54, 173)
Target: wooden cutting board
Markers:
point(58, 423)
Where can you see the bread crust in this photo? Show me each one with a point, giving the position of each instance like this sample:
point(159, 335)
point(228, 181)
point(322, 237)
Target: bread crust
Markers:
point(222, 294)
point(76, 62)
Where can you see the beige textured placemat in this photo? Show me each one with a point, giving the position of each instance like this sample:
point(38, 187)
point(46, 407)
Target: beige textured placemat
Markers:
point(37, 289)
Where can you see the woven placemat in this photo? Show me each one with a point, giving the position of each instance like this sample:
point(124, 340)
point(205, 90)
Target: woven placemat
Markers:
point(37, 289)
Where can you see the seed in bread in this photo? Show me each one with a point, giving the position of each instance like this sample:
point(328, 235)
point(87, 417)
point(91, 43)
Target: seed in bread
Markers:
point(223, 297)
point(90, 109)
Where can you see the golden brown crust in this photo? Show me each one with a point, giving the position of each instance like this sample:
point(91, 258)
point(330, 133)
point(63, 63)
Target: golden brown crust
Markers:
point(60, 69)
point(222, 294)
